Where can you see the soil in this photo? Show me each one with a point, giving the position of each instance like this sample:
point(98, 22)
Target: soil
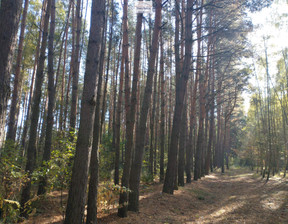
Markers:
point(238, 196)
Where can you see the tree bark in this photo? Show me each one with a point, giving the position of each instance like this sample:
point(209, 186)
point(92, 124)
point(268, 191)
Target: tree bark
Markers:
point(75, 74)
point(27, 121)
point(163, 100)
point(93, 182)
point(107, 70)
point(200, 138)
point(77, 191)
point(181, 86)
point(10, 12)
point(31, 150)
point(182, 146)
point(65, 40)
point(141, 129)
point(130, 119)
point(51, 102)
point(118, 124)
point(12, 124)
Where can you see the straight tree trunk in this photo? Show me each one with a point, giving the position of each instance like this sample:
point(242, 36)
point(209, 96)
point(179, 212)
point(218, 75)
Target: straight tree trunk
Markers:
point(75, 74)
point(65, 40)
point(118, 124)
point(141, 129)
point(12, 121)
point(152, 121)
point(130, 119)
point(31, 150)
point(10, 12)
point(51, 102)
point(71, 66)
point(181, 86)
point(211, 123)
point(107, 70)
point(36, 59)
point(27, 121)
point(200, 136)
point(77, 191)
point(163, 100)
point(157, 130)
point(93, 181)
point(182, 146)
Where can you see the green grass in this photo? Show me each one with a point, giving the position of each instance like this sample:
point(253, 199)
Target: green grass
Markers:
point(199, 193)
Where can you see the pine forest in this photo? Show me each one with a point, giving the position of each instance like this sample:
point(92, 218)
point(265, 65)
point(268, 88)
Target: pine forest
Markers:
point(148, 111)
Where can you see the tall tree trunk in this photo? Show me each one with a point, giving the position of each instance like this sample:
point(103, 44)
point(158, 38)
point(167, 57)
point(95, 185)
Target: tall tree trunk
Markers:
point(118, 124)
point(51, 102)
point(157, 130)
point(65, 40)
point(40, 140)
point(130, 119)
point(152, 121)
point(190, 145)
point(71, 66)
point(141, 129)
point(107, 70)
point(31, 150)
point(76, 63)
point(181, 86)
point(200, 139)
point(211, 123)
point(10, 12)
point(93, 181)
point(77, 191)
point(36, 58)
point(182, 145)
point(269, 137)
point(12, 121)
point(163, 100)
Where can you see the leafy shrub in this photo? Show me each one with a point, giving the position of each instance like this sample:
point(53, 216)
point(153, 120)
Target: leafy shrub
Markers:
point(147, 178)
point(9, 211)
point(12, 178)
point(108, 195)
point(106, 158)
point(58, 169)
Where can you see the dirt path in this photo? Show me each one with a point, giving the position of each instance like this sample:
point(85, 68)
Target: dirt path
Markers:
point(235, 197)
point(238, 196)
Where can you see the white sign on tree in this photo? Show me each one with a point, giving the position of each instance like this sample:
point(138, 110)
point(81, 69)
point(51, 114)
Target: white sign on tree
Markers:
point(144, 7)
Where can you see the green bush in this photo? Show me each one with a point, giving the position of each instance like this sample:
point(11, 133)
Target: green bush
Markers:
point(106, 158)
point(108, 195)
point(58, 169)
point(12, 178)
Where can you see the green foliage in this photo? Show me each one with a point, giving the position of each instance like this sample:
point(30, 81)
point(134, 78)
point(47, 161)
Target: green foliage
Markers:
point(11, 175)
point(106, 158)
point(9, 211)
point(108, 195)
point(12, 179)
point(33, 204)
point(147, 178)
point(59, 168)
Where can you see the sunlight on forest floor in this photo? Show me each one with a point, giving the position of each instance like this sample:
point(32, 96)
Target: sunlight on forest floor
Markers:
point(238, 196)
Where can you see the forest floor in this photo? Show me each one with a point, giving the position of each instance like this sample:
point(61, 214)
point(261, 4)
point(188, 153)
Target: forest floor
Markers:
point(238, 196)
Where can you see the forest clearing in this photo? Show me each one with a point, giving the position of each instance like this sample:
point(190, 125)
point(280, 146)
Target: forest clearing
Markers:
point(238, 196)
point(132, 111)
